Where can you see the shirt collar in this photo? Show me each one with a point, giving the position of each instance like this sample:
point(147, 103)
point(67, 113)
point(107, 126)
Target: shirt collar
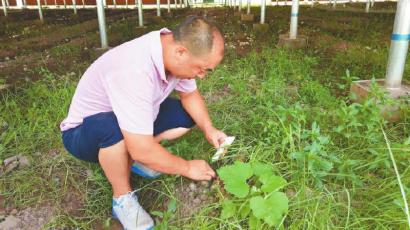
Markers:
point(157, 55)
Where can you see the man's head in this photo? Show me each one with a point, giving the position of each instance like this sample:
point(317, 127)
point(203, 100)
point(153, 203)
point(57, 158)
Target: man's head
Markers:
point(196, 46)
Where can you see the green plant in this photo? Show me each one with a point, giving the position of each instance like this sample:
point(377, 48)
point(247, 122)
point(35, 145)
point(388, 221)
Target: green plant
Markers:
point(165, 215)
point(256, 193)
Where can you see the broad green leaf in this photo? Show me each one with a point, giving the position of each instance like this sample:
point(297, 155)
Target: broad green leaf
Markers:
point(272, 183)
point(235, 176)
point(271, 209)
point(261, 168)
point(228, 209)
point(254, 223)
point(172, 206)
point(245, 210)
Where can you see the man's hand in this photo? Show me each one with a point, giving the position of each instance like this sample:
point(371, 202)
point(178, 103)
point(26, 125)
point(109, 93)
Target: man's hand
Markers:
point(215, 136)
point(199, 170)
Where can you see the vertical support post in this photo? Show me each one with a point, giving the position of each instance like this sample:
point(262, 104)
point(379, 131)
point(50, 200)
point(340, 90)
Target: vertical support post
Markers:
point(180, 3)
point(263, 8)
point(126, 4)
point(101, 24)
point(186, 3)
point(140, 16)
point(158, 8)
point(248, 11)
point(40, 11)
point(74, 6)
point(65, 4)
point(24, 4)
point(334, 4)
point(55, 3)
point(169, 6)
point(3, 3)
point(372, 3)
point(175, 4)
point(367, 6)
point(45, 2)
point(83, 2)
point(240, 6)
point(399, 45)
point(115, 4)
point(294, 19)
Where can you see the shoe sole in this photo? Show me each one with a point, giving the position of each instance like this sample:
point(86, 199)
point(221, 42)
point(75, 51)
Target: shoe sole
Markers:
point(114, 216)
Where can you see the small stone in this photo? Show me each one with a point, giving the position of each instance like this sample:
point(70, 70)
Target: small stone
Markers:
point(204, 183)
point(197, 201)
point(40, 220)
point(13, 212)
point(11, 222)
point(11, 166)
point(89, 172)
point(204, 197)
point(7, 58)
point(23, 161)
point(192, 186)
point(9, 160)
point(205, 191)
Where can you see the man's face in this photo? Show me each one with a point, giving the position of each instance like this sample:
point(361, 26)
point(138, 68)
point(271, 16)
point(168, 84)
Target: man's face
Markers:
point(191, 67)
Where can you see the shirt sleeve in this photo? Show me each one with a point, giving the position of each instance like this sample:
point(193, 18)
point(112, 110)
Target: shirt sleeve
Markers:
point(186, 85)
point(131, 98)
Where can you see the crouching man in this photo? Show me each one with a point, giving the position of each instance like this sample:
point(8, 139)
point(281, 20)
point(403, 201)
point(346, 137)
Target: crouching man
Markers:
point(121, 111)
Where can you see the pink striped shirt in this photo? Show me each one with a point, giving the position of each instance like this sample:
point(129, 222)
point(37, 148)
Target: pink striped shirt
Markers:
point(130, 80)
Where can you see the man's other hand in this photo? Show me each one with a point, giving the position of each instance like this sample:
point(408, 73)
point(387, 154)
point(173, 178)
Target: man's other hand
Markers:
point(215, 136)
point(199, 170)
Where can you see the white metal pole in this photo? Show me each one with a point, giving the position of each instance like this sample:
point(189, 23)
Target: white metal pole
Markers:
point(294, 19)
point(24, 4)
point(3, 2)
point(399, 45)
point(126, 4)
point(240, 6)
point(115, 3)
point(263, 7)
point(83, 2)
point(367, 6)
point(40, 11)
point(186, 3)
point(372, 3)
point(74, 6)
point(180, 3)
point(169, 6)
point(45, 2)
point(105, 4)
point(140, 16)
point(158, 8)
point(55, 3)
point(101, 24)
point(248, 11)
point(334, 4)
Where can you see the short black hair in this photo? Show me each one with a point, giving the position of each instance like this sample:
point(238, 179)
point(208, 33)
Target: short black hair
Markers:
point(196, 33)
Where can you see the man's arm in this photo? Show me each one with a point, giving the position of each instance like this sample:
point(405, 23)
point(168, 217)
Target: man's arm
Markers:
point(194, 104)
point(144, 149)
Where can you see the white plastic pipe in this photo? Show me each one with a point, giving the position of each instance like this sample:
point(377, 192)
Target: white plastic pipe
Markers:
point(101, 24)
point(248, 11)
point(294, 19)
point(140, 16)
point(74, 6)
point(169, 6)
point(40, 11)
point(3, 2)
point(158, 8)
point(263, 8)
point(399, 45)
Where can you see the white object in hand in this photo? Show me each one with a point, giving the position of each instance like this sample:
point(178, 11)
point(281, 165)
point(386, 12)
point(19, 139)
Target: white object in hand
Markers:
point(222, 148)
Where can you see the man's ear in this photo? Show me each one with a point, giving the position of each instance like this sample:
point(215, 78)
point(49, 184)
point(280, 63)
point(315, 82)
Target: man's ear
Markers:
point(181, 51)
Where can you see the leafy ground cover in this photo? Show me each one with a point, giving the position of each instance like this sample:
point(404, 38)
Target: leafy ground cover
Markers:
point(305, 156)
